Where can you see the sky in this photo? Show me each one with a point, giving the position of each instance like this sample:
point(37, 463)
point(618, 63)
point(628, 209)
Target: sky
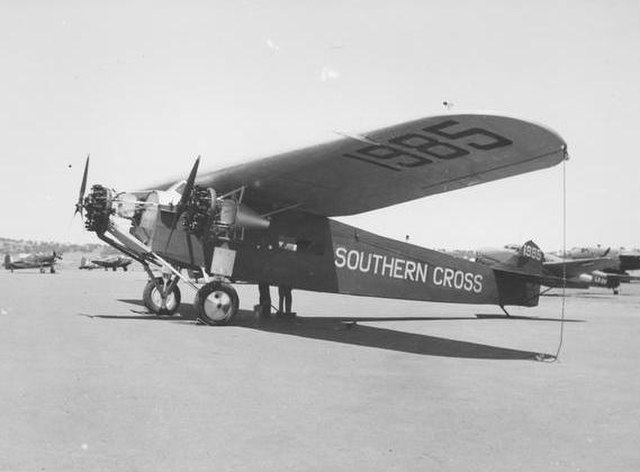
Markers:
point(145, 87)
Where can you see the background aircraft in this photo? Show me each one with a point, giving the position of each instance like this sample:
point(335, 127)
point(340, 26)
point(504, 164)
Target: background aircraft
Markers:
point(269, 220)
point(621, 260)
point(33, 261)
point(106, 263)
point(579, 273)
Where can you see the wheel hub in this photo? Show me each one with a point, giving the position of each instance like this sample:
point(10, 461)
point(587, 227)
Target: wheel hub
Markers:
point(217, 305)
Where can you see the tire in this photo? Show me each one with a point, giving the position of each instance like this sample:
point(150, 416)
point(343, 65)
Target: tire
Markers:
point(216, 303)
point(153, 301)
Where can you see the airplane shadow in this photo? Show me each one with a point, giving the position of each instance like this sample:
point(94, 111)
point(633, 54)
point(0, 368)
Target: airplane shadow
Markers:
point(382, 338)
point(346, 330)
point(477, 316)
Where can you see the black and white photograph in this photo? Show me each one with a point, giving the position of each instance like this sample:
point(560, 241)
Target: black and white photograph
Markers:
point(319, 236)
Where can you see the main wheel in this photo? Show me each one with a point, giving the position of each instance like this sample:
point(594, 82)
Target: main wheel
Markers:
point(152, 298)
point(216, 303)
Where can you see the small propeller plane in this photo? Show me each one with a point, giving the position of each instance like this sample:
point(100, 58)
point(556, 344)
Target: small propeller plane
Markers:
point(621, 261)
point(33, 261)
point(557, 272)
point(106, 263)
point(270, 220)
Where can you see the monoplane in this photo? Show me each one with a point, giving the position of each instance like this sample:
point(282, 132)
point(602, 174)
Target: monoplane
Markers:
point(621, 260)
point(106, 263)
point(557, 272)
point(269, 220)
point(32, 261)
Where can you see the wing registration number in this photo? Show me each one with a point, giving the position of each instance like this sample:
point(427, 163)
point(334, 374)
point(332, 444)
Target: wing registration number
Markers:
point(431, 144)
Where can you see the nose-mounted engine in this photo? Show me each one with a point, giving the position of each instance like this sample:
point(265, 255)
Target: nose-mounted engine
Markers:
point(98, 207)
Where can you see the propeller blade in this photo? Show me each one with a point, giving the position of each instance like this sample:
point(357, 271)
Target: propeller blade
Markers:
point(186, 195)
point(83, 187)
point(188, 188)
point(606, 252)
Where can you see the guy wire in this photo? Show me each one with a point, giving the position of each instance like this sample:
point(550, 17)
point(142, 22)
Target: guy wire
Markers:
point(555, 357)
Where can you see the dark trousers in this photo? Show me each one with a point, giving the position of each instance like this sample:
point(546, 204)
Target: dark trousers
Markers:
point(284, 293)
point(265, 295)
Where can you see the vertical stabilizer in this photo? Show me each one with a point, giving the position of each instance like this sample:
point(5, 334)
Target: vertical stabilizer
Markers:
point(519, 277)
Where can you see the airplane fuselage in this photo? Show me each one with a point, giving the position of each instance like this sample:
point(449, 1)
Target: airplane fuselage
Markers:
point(317, 253)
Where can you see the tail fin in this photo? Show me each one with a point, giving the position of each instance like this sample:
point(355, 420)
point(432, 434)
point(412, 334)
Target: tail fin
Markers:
point(530, 258)
point(519, 276)
point(7, 261)
point(83, 262)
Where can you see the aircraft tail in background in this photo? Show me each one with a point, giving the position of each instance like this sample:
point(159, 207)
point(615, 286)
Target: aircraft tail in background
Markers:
point(519, 273)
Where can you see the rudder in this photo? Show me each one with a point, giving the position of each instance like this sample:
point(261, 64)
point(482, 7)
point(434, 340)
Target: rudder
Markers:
point(519, 277)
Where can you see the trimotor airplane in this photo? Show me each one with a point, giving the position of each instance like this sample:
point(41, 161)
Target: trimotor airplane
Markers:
point(556, 271)
point(106, 263)
point(269, 220)
point(33, 261)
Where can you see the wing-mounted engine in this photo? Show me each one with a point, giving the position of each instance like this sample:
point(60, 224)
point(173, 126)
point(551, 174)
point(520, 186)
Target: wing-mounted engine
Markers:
point(207, 215)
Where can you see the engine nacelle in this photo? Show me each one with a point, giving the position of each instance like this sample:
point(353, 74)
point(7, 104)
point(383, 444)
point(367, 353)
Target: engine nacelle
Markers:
point(207, 212)
point(242, 216)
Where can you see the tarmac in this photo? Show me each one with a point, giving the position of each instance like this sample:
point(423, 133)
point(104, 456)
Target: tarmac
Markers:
point(91, 382)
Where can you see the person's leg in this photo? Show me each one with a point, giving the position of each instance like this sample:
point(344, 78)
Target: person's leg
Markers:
point(288, 300)
point(281, 299)
point(265, 297)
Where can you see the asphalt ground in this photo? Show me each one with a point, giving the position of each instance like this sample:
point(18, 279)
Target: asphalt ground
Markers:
point(90, 382)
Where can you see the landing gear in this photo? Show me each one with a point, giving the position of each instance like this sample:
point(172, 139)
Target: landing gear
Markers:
point(161, 296)
point(216, 303)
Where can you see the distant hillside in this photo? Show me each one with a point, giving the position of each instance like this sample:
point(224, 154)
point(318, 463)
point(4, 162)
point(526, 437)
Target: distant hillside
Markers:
point(17, 246)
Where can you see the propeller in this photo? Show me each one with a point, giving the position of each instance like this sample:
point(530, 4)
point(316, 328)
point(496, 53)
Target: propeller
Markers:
point(606, 252)
point(186, 195)
point(83, 187)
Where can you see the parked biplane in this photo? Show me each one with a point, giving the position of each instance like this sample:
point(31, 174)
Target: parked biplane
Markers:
point(106, 263)
point(557, 272)
point(33, 261)
point(269, 220)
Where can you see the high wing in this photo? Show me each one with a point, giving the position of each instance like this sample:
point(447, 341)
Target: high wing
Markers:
point(392, 165)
